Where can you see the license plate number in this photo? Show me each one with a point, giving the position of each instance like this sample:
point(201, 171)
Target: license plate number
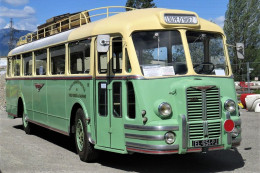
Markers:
point(205, 143)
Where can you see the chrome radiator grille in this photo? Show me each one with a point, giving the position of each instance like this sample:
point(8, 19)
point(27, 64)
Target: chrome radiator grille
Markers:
point(203, 104)
point(204, 113)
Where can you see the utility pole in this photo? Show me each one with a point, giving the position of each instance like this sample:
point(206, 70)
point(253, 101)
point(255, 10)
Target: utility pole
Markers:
point(248, 77)
point(12, 39)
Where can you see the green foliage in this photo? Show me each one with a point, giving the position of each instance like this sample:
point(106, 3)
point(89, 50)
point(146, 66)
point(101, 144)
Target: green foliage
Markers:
point(256, 91)
point(140, 4)
point(242, 26)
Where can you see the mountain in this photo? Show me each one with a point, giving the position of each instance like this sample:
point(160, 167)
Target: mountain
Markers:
point(4, 39)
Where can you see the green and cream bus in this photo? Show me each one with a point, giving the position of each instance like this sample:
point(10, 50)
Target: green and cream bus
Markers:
point(154, 81)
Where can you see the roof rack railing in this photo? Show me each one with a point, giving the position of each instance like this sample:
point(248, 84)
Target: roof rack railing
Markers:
point(66, 22)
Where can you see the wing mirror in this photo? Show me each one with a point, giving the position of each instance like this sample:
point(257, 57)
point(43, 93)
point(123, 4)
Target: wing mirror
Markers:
point(103, 43)
point(240, 50)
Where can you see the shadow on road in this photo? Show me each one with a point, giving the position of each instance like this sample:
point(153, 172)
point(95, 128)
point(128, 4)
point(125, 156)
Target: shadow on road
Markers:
point(53, 137)
point(214, 161)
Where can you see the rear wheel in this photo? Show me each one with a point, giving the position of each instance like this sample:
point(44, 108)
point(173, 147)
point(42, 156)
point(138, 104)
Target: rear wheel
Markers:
point(27, 126)
point(85, 149)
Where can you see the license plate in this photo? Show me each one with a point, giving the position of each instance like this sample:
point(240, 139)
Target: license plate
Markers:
point(205, 143)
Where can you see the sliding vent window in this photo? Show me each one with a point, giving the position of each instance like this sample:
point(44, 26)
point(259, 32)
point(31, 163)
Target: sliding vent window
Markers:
point(102, 98)
point(41, 62)
point(16, 65)
point(57, 55)
point(117, 55)
point(102, 63)
point(117, 99)
point(27, 64)
point(130, 100)
point(80, 57)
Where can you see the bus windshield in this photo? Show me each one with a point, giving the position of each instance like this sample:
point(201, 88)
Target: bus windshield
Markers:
point(160, 53)
point(207, 53)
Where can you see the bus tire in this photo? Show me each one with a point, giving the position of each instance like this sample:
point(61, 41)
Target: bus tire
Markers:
point(85, 149)
point(27, 126)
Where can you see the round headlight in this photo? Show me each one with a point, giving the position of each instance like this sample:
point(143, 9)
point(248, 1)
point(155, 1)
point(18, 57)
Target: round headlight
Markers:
point(169, 137)
point(230, 106)
point(165, 109)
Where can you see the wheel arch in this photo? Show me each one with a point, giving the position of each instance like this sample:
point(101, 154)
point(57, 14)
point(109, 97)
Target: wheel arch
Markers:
point(21, 107)
point(74, 108)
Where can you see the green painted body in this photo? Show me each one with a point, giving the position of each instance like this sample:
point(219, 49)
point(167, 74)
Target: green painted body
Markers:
point(52, 106)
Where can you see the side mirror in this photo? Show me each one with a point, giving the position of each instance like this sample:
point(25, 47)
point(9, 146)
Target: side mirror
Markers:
point(103, 43)
point(240, 50)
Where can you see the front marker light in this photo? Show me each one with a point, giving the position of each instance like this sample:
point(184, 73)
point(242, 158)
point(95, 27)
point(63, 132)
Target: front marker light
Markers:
point(230, 106)
point(169, 137)
point(165, 109)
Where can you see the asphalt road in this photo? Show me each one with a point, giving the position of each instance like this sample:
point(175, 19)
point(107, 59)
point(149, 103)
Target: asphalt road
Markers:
point(47, 151)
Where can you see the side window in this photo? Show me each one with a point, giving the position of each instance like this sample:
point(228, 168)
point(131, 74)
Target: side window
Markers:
point(117, 55)
point(41, 62)
point(130, 100)
point(80, 57)
point(117, 99)
point(16, 65)
point(27, 64)
point(127, 62)
point(102, 98)
point(102, 63)
point(57, 55)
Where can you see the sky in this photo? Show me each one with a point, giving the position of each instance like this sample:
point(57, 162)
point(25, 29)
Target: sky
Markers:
point(28, 14)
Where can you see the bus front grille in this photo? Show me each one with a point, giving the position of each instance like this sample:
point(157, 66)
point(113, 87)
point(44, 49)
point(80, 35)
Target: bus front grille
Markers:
point(203, 113)
point(203, 104)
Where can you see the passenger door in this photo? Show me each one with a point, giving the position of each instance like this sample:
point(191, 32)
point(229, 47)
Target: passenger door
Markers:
point(109, 96)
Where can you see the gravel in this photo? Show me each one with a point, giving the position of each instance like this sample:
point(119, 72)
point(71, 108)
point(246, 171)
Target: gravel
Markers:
point(2, 93)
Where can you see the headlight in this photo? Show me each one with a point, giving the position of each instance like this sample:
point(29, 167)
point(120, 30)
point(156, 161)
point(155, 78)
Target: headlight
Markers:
point(230, 106)
point(165, 109)
point(169, 137)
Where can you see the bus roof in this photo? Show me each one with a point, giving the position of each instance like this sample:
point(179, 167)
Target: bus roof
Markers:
point(124, 23)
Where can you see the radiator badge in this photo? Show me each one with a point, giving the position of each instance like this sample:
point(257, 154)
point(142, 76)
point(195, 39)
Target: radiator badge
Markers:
point(39, 86)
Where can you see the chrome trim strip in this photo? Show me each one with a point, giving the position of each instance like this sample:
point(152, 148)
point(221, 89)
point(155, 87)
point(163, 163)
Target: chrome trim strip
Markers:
point(237, 122)
point(184, 131)
point(151, 128)
point(145, 137)
point(152, 147)
point(137, 150)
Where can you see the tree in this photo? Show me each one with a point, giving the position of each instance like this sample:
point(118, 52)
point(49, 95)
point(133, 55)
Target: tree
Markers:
point(242, 26)
point(140, 4)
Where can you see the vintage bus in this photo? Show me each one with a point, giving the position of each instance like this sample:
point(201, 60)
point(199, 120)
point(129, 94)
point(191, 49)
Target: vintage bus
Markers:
point(154, 81)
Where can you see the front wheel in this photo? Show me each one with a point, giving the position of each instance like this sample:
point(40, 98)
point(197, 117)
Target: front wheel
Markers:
point(85, 149)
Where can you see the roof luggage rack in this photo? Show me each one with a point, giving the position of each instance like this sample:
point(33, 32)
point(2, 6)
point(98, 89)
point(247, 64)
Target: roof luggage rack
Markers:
point(66, 22)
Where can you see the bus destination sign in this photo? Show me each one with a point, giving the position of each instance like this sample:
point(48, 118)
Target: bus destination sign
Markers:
point(180, 19)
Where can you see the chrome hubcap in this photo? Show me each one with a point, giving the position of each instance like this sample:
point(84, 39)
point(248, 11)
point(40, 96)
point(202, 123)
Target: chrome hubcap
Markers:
point(80, 135)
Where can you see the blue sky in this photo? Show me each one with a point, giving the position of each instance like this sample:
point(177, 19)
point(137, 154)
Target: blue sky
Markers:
point(28, 14)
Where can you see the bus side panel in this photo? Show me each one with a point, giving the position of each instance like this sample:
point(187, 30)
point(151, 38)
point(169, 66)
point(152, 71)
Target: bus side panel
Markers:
point(13, 88)
point(79, 92)
point(8, 95)
point(26, 93)
point(56, 99)
point(39, 101)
